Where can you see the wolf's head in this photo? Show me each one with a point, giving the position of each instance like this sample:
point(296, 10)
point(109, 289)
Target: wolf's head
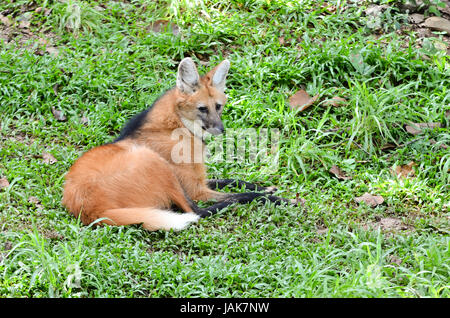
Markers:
point(201, 98)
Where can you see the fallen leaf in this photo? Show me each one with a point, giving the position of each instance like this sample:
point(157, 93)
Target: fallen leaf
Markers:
point(322, 230)
point(330, 9)
point(48, 158)
point(160, 26)
point(84, 120)
point(5, 20)
point(24, 24)
point(298, 200)
point(370, 200)
point(335, 101)
point(4, 183)
point(301, 100)
point(404, 170)
point(388, 146)
point(339, 173)
point(43, 41)
point(55, 89)
point(34, 200)
point(392, 224)
point(442, 145)
point(52, 50)
point(394, 259)
point(412, 130)
point(46, 11)
point(8, 246)
point(416, 128)
point(39, 52)
point(59, 115)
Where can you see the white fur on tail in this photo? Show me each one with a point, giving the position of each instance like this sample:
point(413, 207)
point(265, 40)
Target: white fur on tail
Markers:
point(152, 219)
point(176, 221)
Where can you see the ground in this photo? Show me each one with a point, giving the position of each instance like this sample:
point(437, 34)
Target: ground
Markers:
point(358, 90)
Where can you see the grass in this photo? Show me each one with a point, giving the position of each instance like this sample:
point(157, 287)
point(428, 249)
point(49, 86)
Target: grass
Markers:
point(111, 65)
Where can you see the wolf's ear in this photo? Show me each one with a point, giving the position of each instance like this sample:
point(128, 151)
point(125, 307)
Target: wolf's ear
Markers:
point(220, 75)
point(188, 79)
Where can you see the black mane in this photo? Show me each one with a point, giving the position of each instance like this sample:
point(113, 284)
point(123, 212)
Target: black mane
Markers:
point(132, 126)
point(136, 122)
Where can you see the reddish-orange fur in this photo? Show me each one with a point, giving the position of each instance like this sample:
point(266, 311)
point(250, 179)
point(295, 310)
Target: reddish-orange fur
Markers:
point(127, 181)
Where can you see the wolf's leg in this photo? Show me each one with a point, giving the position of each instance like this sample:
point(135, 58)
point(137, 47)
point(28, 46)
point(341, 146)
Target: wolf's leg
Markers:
point(241, 198)
point(222, 183)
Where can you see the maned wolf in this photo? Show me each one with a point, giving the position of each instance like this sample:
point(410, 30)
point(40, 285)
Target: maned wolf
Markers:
point(136, 178)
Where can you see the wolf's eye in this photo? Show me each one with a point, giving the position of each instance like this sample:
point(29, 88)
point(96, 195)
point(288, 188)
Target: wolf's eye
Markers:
point(203, 109)
point(218, 106)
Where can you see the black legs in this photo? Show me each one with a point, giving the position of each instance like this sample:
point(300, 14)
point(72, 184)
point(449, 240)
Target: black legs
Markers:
point(222, 183)
point(241, 198)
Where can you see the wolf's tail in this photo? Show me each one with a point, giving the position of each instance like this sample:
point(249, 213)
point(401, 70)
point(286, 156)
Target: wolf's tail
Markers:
point(152, 219)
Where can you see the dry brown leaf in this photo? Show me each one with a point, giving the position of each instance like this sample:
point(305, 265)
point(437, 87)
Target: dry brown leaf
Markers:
point(46, 11)
point(394, 259)
point(5, 20)
point(301, 100)
point(59, 115)
point(4, 183)
point(34, 200)
point(328, 8)
point(48, 158)
point(443, 146)
point(370, 200)
point(84, 120)
point(24, 24)
point(52, 50)
point(298, 200)
point(404, 170)
point(339, 173)
point(388, 224)
point(335, 101)
point(416, 128)
point(322, 230)
point(43, 41)
point(388, 146)
point(412, 130)
point(163, 25)
point(55, 89)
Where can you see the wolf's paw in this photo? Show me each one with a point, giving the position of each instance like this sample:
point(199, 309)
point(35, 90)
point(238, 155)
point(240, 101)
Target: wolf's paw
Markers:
point(270, 190)
point(182, 221)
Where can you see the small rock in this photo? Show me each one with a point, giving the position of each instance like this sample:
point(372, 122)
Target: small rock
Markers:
point(438, 23)
point(375, 10)
point(416, 18)
point(410, 5)
point(423, 33)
